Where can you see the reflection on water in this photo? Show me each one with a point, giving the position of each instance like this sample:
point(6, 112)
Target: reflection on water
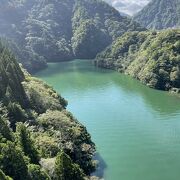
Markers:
point(160, 101)
point(136, 129)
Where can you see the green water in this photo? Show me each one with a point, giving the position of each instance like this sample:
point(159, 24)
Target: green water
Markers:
point(136, 129)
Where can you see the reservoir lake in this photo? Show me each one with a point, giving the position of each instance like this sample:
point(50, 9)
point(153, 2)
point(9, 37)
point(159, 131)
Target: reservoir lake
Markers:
point(136, 129)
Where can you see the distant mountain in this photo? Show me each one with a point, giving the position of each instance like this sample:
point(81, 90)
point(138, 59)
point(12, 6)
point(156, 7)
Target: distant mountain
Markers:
point(124, 14)
point(160, 14)
point(40, 30)
point(129, 7)
point(151, 57)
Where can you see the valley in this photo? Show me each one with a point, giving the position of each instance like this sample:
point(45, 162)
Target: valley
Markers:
point(88, 92)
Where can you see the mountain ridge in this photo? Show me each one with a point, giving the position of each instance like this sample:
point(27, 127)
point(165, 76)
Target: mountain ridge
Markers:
point(60, 30)
point(160, 14)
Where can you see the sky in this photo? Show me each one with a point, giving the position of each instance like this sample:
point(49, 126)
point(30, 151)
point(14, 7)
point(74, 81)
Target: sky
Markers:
point(129, 7)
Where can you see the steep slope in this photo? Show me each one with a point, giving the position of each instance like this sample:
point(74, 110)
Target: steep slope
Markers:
point(160, 14)
point(151, 57)
point(39, 138)
point(60, 30)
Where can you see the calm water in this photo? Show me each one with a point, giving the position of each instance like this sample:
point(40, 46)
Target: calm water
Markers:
point(136, 129)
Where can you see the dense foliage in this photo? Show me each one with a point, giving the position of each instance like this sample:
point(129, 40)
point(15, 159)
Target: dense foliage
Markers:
point(35, 129)
point(151, 57)
point(40, 31)
point(65, 169)
point(160, 14)
point(3, 176)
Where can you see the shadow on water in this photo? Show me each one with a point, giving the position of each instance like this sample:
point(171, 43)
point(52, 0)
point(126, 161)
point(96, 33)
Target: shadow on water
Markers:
point(102, 166)
point(83, 66)
point(162, 102)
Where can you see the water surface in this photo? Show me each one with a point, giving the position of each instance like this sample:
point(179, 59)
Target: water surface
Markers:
point(136, 129)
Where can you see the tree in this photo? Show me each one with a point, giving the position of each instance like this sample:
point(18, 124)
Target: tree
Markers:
point(26, 143)
point(3, 176)
point(5, 130)
point(36, 173)
point(65, 169)
point(12, 162)
point(15, 114)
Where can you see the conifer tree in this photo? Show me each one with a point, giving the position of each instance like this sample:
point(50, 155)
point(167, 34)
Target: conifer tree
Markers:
point(12, 162)
point(5, 131)
point(65, 169)
point(26, 143)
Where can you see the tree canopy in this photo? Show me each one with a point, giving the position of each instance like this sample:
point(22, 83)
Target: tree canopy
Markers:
point(151, 57)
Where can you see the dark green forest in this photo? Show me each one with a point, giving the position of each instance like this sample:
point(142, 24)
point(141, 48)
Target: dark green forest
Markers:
point(39, 138)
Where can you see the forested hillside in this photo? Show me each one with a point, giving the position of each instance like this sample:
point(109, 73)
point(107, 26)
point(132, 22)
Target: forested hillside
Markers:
point(160, 14)
point(40, 30)
point(151, 57)
point(39, 138)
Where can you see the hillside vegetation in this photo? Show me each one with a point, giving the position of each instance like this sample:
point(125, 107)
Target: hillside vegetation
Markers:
point(160, 14)
point(151, 57)
point(39, 30)
point(39, 138)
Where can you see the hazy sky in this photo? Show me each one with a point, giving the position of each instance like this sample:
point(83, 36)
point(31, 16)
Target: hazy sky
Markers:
point(128, 6)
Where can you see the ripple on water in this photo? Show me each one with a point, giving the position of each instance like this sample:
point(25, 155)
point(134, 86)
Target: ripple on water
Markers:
point(136, 129)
